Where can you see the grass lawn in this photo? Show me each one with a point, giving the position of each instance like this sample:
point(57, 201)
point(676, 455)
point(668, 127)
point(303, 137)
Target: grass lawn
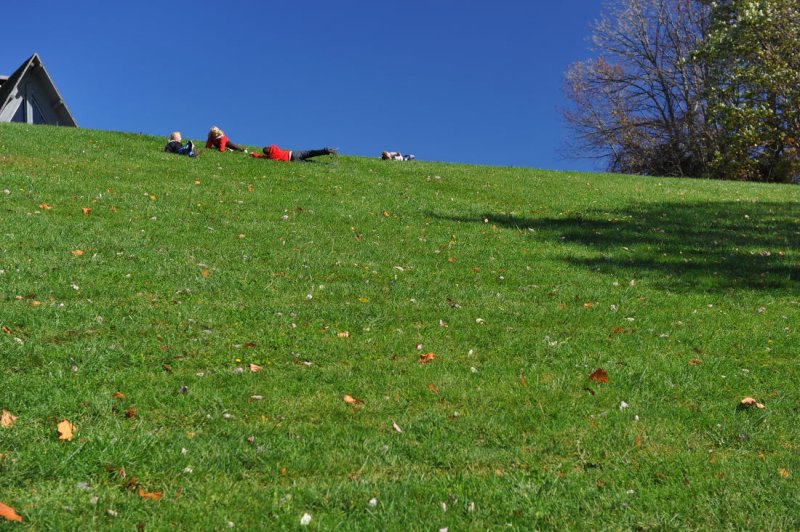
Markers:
point(137, 288)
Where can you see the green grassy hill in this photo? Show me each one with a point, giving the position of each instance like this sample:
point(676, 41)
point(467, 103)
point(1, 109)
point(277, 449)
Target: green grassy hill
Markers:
point(137, 288)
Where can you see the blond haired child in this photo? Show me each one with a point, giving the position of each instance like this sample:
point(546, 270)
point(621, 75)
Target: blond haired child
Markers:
point(174, 145)
point(218, 139)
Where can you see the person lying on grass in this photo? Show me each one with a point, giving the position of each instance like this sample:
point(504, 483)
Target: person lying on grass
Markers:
point(396, 156)
point(276, 154)
point(218, 139)
point(174, 145)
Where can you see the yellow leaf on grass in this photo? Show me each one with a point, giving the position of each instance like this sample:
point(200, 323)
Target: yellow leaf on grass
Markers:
point(343, 334)
point(7, 420)
point(783, 472)
point(8, 513)
point(747, 402)
point(65, 430)
point(350, 400)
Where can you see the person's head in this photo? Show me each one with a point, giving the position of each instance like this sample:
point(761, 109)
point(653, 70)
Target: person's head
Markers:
point(266, 149)
point(385, 155)
point(175, 135)
point(215, 132)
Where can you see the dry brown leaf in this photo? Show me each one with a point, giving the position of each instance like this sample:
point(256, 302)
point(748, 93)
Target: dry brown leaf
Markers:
point(385, 214)
point(7, 330)
point(747, 402)
point(255, 368)
point(155, 496)
point(130, 413)
point(522, 381)
point(65, 430)
point(118, 395)
point(7, 420)
point(783, 472)
point(695, 362)
point(638, 441)
point(433, 388)
point(599, 376)
point(86, 211)
point(424, 358)
point(77, 252)
point(349, 399)
point(35, 303)
point(8, 513)
point(45, 206)
point(588, 305)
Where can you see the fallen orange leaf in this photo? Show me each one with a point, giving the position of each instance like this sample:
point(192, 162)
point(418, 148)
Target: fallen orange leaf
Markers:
point(426, 357)
point(433, 388)
point(130, 413)
point(86, 211)
point(205, 273)
point(155, 496)
point(45, 206)
point(343, 334)
point(196, 181)
point(695, 362)
point(35, 303)
point(7, 420)
point(588, 305)
point(118, 395)
point(385, 214)
point(350, 400)
point(77, 252)
point(65, 430)
point(254, 368)
point(6, 330)
point(783, 472)
point(599, 376)
point(8, 513)
point(638, 441)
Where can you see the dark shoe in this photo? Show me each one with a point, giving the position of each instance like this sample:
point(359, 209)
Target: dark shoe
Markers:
point(331, 151)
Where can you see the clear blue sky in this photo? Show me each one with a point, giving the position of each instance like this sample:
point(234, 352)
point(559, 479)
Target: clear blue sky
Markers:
point(448, 80)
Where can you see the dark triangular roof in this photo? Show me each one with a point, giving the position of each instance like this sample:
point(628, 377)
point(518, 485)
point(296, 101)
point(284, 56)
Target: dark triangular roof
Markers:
point(9, 87)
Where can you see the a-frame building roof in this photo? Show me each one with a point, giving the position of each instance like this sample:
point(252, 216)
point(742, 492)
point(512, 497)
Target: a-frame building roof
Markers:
point(29, 95)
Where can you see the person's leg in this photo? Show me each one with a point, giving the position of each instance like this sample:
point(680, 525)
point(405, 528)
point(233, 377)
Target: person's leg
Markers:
point(234, 147)
point(186, 149)
point(302, 155)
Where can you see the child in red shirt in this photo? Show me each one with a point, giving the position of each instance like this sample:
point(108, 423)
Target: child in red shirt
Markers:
point(218, 139)
point(276, 154)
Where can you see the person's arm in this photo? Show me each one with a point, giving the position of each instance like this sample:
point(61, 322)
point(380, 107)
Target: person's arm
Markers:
point(209, 143)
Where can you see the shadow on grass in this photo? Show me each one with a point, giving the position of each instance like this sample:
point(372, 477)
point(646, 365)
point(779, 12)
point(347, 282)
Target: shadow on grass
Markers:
point(692, 247)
